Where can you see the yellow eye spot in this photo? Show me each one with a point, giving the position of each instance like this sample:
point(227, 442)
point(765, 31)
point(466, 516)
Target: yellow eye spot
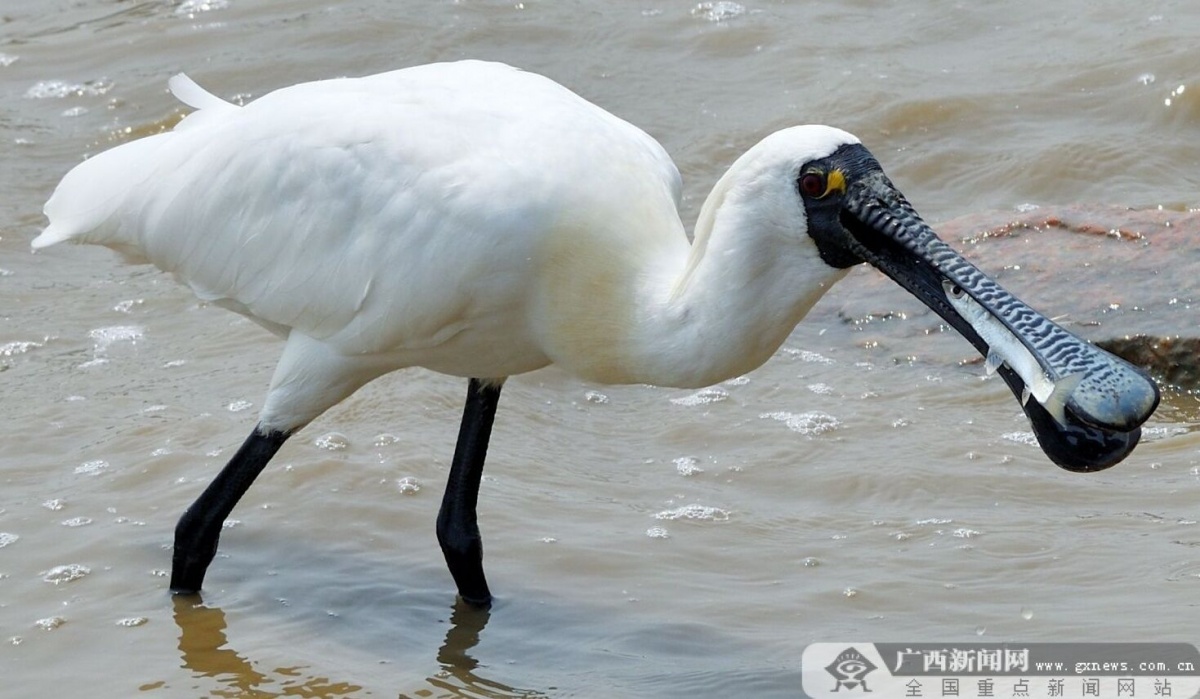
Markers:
point(835, 182)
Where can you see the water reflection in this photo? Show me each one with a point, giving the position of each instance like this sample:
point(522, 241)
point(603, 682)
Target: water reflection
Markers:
point(204, 649)
point(457, 677)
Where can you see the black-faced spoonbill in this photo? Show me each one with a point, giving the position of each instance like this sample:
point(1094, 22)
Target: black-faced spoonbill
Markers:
point(482, 222)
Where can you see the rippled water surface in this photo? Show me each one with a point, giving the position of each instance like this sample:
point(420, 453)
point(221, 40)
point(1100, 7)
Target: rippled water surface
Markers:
point(866, 484)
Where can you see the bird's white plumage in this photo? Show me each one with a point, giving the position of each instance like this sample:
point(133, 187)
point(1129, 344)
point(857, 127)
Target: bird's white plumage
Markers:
point(466, 217)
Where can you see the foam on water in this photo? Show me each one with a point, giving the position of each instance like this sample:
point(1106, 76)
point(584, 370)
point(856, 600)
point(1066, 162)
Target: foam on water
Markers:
point(807, 356)
point(332, 441)
point(127, 305)
point(191, 8)
point(1026, 438)
point(104, 338)
point(58, 89)
point(92, 468)
point(49, 623)
point(687, 466)
point(809, 424)
point(694, 511)
point(720, 11)
point(65, 573)
point(595, 397)
point(10, 349)
point(713, 394)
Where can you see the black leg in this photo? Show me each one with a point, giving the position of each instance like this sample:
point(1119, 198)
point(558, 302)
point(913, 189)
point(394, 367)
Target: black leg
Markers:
point(200, 526)
point(457, 530)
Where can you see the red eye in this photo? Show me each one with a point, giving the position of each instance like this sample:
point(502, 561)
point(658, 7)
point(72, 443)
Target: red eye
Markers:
point(812, 184)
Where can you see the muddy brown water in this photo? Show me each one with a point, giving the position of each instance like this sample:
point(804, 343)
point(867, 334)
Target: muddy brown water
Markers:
point(866, 484)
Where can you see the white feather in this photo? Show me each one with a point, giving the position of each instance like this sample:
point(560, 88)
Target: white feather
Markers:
point(466, 217)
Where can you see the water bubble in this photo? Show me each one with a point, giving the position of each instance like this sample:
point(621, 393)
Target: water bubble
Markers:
point(105, 337)
point(77, 522)
point(595, 397)
point(385, 440)
point(10, 349)
point(980, 630)
point(703, 397)
point(408, 485)
point(850, 592)
point(807, 356)
point(720, 11)
point(7, 538)
point(50, 623)
point(1026, 438)
point(701, 512)
point(810, 562)
point(58, 89)
point(686, 466)
point(238, 406)
point(1146, 78)
point(821, 389)
point(964, 533)
point(54, 505)
point(332, 441)
point(132, 621)
point(92, 468)
point(127, 306)
point(1174, 93)
point(810, 424)
point(191, 8)
point(65, 573)
point(7, 59)
point(1026, 613)
point(658, 533)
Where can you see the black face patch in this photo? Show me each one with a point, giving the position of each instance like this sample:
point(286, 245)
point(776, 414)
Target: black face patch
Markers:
point(824, 210)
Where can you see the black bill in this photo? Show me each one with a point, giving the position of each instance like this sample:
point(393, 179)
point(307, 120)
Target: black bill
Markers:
point(1086, 406)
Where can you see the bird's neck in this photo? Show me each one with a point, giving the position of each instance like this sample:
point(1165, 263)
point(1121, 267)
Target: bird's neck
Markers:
point(694, 315)
point(746, 285)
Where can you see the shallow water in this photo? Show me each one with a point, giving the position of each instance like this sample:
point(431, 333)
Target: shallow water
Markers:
point(866, 484)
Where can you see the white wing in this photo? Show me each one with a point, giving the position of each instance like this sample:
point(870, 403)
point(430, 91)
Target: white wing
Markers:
point(346, 208)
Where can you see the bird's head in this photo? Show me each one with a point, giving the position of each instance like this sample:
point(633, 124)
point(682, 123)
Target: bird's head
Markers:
point(1086, 405)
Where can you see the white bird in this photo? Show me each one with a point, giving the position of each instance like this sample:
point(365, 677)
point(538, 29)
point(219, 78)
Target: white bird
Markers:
point(481, 221)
